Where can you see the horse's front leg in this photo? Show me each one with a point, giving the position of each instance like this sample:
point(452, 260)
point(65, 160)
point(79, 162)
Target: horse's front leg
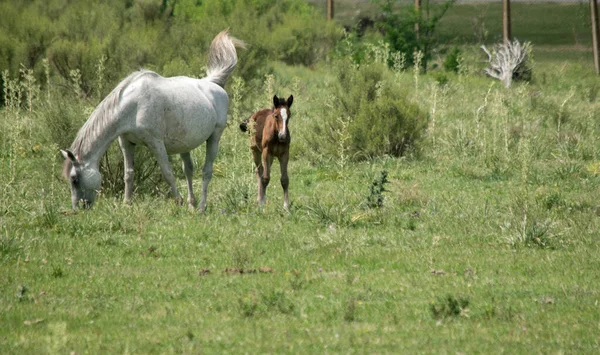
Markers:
point(285, 180)
point(160, 152)
point(128, 150)
point(188, 170)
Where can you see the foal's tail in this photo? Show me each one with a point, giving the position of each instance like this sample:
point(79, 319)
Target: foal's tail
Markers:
point(244, 125)
point(222, 57)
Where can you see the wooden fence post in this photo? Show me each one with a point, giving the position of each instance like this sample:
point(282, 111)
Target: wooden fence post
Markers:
point(417, 10)
point(506, 31)
point(595, 34)
point(329, 10)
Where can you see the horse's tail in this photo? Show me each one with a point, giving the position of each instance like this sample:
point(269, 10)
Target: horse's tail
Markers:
point(222, 57)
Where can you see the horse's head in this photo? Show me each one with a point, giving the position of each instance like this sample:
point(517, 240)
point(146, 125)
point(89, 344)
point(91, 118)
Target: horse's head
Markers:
point(85, 180)
point(282, 114)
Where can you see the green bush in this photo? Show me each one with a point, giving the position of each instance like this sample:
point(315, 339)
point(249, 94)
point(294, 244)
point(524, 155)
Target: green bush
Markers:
point(170, 37)
point(369, 116)
point(398, 23)
point(451, 60)
point(387, 125)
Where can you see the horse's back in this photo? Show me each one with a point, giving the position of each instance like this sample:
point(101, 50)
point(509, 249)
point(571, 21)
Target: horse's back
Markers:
point(182, 111)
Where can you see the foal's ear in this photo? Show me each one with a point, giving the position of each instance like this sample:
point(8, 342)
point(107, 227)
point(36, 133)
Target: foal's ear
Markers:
point(68, 155)
point(290, 100)
point(276, 103)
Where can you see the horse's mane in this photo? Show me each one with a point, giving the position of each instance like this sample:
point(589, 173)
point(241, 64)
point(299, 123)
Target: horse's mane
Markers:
point(103, 115)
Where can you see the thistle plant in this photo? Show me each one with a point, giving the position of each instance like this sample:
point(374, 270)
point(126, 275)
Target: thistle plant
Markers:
point(344, 136)
point(46, 65)
point(398, 62)
point(5, 79)
point(561, 110)
point(30, 86)
point(237, 88)
point(434, 92)
point(269, 86)
point(418, 57)
point(100, 69)
point(75, 76)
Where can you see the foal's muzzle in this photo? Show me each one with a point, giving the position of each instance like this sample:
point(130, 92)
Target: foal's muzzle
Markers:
point(282, 137)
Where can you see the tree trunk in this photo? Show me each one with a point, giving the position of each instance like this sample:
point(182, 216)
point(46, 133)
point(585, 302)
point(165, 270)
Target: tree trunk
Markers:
point(417, 10)
point(329, 10)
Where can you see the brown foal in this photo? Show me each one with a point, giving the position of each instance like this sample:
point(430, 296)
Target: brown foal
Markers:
point(270, 139)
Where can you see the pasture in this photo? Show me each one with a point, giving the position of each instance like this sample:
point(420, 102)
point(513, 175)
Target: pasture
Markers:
point(483, 239)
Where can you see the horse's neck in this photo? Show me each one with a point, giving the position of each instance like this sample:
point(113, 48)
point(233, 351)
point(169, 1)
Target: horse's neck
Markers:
point(96, 144)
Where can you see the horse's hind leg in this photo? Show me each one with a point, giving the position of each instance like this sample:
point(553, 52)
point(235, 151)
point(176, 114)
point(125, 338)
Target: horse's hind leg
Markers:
point(128, 149)
point(212, 147)
point(285, 180)
point(160, 152)
point(188, 170)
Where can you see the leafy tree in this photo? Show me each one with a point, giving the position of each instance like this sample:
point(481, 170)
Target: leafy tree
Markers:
point(398, 23)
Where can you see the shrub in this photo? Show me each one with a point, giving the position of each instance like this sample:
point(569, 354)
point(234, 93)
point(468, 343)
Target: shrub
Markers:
point(375, 112)
point(451, 60)
point(398, 23)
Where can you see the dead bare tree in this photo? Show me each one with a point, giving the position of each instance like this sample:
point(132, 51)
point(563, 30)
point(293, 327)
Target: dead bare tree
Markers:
point(509, 62)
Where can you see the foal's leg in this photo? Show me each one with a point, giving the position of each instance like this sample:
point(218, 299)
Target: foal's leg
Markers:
point(128, 149)
point(285, 180)
point(259, 171)
point(160, 152)
point(212, 146)
point(267, 160)
point(188, 169)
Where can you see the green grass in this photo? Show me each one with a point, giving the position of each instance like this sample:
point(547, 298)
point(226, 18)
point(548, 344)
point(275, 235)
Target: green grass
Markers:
point(487, 241)
point(447, 264)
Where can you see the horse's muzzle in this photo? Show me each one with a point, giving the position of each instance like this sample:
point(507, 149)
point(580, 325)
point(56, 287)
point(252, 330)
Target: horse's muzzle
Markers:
point(281, 137)
point(85, 204)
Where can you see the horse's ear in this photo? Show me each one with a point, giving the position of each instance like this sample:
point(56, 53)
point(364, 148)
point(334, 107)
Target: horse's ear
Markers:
point(290, 100)
point(276, 101)
point(68, 155)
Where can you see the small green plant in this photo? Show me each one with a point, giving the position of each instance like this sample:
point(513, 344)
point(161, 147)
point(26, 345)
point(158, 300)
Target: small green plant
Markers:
point(449, 306)
point(57, 271)
point(8, 246)
point(297, 281)
point(451, 61)
point(240, 257)
point(350, 310)
point(440, 78)
point(376, 190)
point(249, 305)
point(278, 300)
point(22, 293)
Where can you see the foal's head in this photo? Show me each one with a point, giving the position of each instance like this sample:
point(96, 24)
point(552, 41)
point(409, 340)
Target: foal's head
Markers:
point(85, 180)
point(282, 115)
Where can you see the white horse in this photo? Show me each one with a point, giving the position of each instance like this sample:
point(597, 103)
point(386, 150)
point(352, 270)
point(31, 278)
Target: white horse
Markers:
point(169, 115)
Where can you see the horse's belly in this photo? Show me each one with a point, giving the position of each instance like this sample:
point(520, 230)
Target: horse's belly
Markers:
point(181, 137)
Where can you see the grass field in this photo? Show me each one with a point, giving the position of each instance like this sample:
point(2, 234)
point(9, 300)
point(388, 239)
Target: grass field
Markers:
point(487, 240)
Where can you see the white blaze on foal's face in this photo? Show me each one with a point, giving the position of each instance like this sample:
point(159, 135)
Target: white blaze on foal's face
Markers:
point(284, 118)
